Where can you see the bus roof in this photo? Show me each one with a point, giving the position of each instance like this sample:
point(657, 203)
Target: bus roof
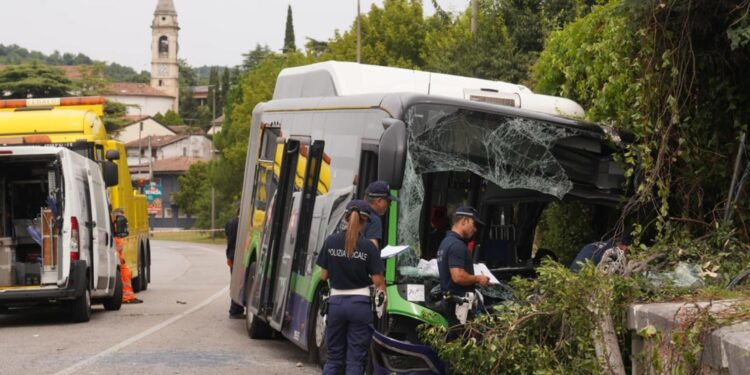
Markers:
point(396, 103)
point(335, 78)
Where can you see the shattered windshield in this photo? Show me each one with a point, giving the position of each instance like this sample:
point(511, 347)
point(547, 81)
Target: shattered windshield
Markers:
point(512, 153)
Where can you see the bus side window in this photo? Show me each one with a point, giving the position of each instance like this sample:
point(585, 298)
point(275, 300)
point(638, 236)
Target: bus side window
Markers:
point(368, 170)
point(266, 181)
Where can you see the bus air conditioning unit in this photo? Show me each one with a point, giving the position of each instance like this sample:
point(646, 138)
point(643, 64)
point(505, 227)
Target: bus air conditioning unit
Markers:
point(492, 96)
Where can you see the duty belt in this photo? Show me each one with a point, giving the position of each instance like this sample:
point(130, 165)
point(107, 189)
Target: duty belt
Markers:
point(351, 292)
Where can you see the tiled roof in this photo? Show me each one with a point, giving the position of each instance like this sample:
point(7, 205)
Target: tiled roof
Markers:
point(156, 142)
point(134, 89)
point(178, 164)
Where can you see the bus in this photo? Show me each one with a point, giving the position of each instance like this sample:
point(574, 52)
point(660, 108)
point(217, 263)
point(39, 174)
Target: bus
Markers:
point(441, 142)
point(75, 123)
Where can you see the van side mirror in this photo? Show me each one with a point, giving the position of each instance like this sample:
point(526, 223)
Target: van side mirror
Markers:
point(392, 153)
point(109, 173)
point(112, 155)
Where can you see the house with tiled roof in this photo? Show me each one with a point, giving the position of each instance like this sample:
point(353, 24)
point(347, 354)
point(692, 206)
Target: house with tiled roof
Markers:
point(140, 98)
point(139, 127)
point(161, 160)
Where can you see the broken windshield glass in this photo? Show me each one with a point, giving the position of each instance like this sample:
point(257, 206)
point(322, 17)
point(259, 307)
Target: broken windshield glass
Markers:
point(512, 153)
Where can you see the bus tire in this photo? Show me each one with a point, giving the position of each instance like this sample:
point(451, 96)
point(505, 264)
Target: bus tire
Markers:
point(316, 339)
point(80, 308)
point(115, 302)
point(256, 328)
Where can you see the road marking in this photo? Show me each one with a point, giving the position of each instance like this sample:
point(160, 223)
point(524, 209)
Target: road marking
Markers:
point(144, 334)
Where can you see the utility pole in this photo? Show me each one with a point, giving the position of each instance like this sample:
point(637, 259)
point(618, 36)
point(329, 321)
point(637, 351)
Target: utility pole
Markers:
point(359, 33)
point(213, 188)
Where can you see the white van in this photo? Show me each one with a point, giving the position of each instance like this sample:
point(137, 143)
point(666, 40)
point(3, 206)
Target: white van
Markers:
point(56, 241)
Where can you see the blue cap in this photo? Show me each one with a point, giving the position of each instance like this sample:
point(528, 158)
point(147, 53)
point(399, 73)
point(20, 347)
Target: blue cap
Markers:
point(469, 211)
point(359, 205)
point(380, 189)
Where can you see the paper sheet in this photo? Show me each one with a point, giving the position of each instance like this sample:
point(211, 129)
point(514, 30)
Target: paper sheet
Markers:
point(481, 269)
point(391, 251)
point(415, 292)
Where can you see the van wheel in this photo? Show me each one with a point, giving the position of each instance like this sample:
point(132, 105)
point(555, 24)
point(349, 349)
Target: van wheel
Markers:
point(115, 302)
point(316, 337)
point(256, 328)
point(80, 308)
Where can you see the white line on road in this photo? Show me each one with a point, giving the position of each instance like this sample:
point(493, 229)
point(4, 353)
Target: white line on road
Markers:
point(141, 335)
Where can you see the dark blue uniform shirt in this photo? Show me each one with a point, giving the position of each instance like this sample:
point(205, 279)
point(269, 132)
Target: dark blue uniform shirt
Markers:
point(231, 231)
point(349, 273)
point(453, 253)
point(374, 229)
point(593, 251)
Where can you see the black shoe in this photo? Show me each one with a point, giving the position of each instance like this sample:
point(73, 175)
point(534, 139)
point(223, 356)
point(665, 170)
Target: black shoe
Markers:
point(237, 316)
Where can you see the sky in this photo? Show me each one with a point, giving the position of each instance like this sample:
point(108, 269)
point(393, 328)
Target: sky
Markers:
point(213, 32)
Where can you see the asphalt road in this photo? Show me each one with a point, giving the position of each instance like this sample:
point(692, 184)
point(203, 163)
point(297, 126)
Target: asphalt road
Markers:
point(182, 328)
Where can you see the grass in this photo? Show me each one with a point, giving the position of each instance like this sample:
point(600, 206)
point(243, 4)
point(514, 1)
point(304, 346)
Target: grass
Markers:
point(199, 237)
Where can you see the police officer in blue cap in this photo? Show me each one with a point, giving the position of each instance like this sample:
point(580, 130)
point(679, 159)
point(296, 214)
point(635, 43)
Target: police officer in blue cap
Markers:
point(351, 264)
point(455, 266)
point(378, 196)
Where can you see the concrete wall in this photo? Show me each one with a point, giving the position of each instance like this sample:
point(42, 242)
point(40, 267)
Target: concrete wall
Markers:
point(150, 127)
point(149, 105)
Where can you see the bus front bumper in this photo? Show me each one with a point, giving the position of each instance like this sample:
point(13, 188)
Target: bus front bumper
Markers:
point(390, 356)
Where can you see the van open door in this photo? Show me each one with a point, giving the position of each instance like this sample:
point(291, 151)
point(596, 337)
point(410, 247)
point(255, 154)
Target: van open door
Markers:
point(103, 276)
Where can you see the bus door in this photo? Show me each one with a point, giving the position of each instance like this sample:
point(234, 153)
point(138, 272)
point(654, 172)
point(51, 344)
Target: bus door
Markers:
point(298, 233)
point(261, 296)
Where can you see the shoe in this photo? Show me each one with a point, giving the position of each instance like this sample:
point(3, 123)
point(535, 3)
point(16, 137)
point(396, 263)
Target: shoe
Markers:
point(133, 301)
point(237, 316)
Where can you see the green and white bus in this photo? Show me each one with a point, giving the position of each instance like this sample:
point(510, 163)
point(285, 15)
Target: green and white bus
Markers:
point(441, 142)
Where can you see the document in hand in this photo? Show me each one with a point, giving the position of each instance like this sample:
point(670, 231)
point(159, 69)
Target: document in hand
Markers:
point(481, 269)
point(391, 251)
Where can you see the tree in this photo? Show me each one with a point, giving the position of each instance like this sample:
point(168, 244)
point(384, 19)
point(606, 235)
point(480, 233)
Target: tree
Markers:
point(289, 44)
point(34, 80)
point(194, 187)
point(315, 48)
point(169, 118)
point(391, 36)
point(93, 80)
point(213, 89)
point(255, 56)
point(226, 83)
point(114, 117)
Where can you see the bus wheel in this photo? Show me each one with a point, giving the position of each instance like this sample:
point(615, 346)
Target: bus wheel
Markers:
point(256, 328)
point(316, 341)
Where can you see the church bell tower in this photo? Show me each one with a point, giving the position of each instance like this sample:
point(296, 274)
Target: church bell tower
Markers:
point(165, 75)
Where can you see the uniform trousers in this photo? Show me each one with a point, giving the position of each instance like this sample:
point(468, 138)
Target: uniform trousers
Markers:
point(349, 327)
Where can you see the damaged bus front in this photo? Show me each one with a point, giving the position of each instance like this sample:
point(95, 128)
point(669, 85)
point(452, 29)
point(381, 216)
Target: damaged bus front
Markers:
point(512, 165)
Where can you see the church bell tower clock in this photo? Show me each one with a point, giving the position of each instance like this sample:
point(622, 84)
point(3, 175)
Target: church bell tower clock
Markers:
point(164, 47)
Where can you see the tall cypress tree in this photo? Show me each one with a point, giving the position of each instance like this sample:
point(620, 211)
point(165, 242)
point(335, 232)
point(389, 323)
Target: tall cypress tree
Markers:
point(289, 45)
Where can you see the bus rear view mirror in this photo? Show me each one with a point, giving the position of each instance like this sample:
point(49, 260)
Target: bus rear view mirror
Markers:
point(109, 173)
point(392, 153)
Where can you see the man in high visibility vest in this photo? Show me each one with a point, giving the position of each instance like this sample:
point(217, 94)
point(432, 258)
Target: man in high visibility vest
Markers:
point(121, 231)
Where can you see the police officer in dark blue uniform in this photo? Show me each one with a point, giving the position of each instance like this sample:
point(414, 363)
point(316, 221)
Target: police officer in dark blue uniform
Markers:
point(595, 251)
point(351, 263)
point(455, 265)
point(378, 196)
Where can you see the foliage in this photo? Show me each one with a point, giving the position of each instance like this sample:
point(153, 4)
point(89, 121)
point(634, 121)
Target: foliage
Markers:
point(14, 54)
point(392, 36)
point(93, 80)
point(114, 117)
point(169, 118)
point(193, 187)
point(289, 44)
point(254, 57)
point(565, 229)
point(34, 80)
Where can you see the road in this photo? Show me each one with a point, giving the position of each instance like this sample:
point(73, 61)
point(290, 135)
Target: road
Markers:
point(182, 328)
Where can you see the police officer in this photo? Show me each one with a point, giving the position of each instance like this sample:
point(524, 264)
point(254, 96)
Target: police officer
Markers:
point(351, 264)
point(595, 251)
point(455, 265)
point(378, 196)
point(236, 311)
